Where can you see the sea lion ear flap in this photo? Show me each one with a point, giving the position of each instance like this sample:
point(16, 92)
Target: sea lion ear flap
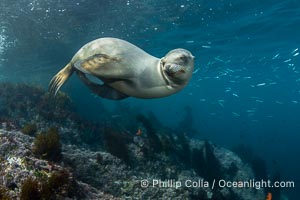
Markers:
point(163, 62)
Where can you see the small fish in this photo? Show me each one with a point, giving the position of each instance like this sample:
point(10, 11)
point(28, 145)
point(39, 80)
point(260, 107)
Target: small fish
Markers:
point(227, 89)
point(295, 50)
point(218, 59)
point(247, 77)
point(261, 84)
point(259, 101)
point(236, 114)
point(269, 196)
point(220, 102)
point(288, 60)
point(296, 54)
point(190, 41)
point(223, 74)
point(196, 71)
point(276, 56)
point(139, 132)
point(206, 46)
point(234, 94)
point(230, 70)
point(272, 83)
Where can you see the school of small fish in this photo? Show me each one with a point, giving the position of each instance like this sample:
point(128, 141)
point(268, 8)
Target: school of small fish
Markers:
point(253, 85)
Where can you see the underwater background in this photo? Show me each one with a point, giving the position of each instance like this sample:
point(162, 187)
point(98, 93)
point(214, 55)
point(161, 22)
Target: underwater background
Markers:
point(245, 89)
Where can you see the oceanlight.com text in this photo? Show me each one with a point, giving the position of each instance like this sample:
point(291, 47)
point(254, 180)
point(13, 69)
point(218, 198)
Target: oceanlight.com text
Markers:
point(256, 184)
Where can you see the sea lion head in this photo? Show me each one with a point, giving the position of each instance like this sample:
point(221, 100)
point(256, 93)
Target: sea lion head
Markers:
point(178, 66)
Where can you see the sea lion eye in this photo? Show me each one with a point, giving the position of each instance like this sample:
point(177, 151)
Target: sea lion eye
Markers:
point(183, 59)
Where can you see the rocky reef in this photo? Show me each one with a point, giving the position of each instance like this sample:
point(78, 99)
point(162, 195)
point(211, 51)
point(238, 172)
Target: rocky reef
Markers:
point(47, 151)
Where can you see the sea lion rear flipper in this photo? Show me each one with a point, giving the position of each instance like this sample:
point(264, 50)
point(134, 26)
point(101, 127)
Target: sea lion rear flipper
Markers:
point(104, 90)
point(60, 78)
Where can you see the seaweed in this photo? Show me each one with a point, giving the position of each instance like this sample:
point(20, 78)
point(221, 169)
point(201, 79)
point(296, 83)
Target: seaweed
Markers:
point(30, 190)
point(198, 162)
point(167, 142)
point(275, 191)
point(55, 109)
point(186, 124)
point(116, 144)
point(205, 163)
point(154, 121)
point(232, 170)
point(153, 139)
point(47, 145)
point(27, 101)
point(244, 152)
point(259, 168)
point(59, 184)
point(4, 193)
point(184, 153)
point(29, 129)
point(90, 134)
point(213, 170)
point(257, 164)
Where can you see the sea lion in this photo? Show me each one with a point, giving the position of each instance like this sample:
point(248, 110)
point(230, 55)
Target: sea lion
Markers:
point(127, 70)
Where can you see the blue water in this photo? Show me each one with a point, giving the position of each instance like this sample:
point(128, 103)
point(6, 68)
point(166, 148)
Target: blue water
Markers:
point(246, 84)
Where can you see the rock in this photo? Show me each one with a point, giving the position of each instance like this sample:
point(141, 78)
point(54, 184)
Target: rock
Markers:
point(158, 163)
point(17, 163)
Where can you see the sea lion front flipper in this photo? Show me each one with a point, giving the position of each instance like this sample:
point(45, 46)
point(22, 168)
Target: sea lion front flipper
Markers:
point(99, 65)
point(60, 78)
point(104, 90)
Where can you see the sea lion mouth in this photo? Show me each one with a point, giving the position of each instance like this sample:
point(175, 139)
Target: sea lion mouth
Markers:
point(174, 69)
